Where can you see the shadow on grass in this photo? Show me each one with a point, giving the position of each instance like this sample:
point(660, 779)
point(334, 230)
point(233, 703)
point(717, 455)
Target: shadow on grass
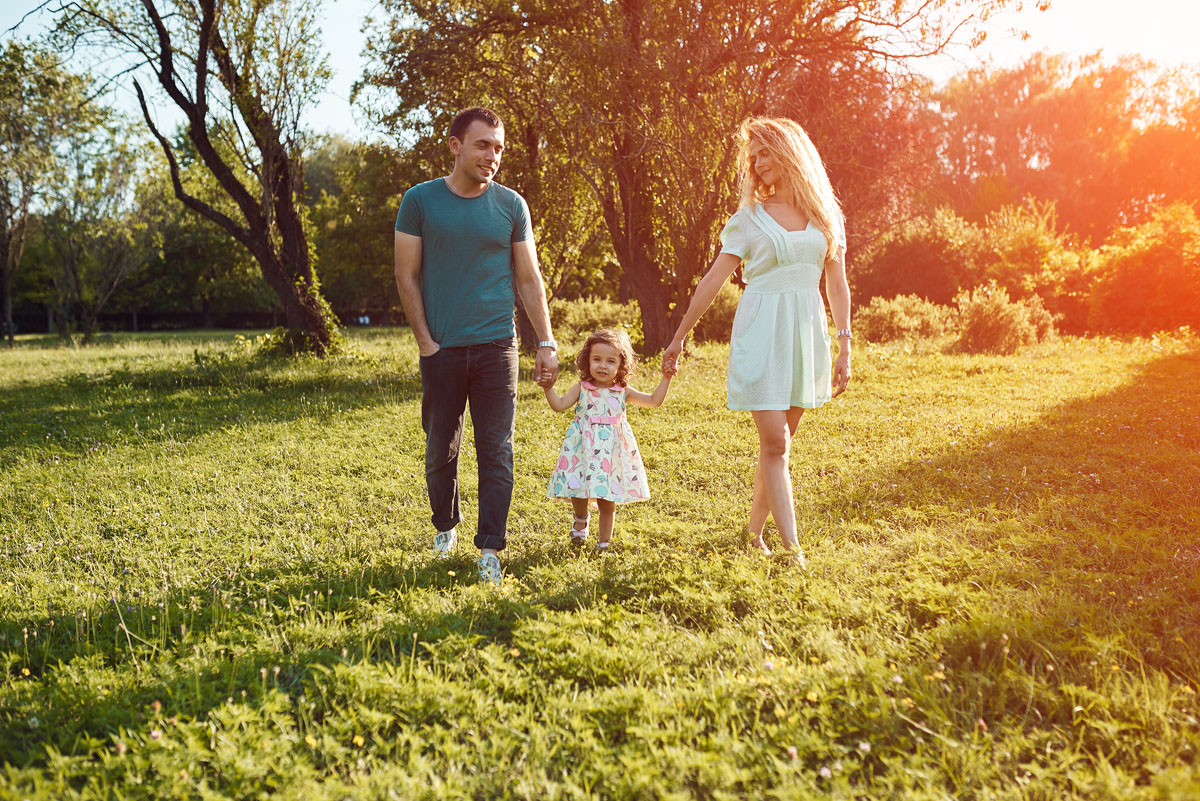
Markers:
point(1090, 512)
point(81, 413)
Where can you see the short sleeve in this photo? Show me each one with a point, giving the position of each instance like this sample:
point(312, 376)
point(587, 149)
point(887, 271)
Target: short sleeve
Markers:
point(411, 214)
point(522, 227)
point(733, 237)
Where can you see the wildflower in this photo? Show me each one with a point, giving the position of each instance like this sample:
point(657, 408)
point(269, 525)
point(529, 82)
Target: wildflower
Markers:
point(155, 734)
point(907, 702)
point(865, 747)
point(604, 596)
point(34, 723)
point(825, 772)
point(981, 724)
point(811, 697)
point(358, 740)
point(24, 671)
point(897, 679)
point(1188, 690)
point(768, 665)
point(451, 573)
point(937, 674)
point(310, 741)
point(514, 653)
point(792, 752)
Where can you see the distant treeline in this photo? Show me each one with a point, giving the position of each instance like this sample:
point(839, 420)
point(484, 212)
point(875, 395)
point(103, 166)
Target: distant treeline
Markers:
point(1072, 179)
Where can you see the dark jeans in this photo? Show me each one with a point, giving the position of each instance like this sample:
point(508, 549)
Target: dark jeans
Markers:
point(486, 376)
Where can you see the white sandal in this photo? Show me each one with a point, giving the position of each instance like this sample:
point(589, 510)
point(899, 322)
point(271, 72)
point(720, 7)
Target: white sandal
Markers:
point(579, 535)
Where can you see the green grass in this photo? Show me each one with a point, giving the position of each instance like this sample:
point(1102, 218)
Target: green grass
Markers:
point(215, 582)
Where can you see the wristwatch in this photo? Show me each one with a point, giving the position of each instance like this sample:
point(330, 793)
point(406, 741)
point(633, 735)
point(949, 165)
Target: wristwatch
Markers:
point(844, 332)
point(548, 343)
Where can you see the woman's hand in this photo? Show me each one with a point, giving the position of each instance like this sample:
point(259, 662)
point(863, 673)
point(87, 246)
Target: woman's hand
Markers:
point(670, 360)
point(841, 373)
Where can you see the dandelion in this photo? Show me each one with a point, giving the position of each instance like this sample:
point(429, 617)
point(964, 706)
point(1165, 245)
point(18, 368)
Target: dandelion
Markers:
point(604, 596)
point(358, 740)
point(907, 702)
point(451, 573)
point(310, 741)
point(24, 671)
point(865, 747)
point(811, 697)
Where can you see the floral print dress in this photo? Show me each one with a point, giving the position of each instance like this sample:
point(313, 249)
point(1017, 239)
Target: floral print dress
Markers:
point(599, 456)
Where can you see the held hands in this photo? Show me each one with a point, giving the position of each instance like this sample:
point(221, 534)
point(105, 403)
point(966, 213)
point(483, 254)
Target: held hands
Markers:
point(670, 359)
point(545, 369)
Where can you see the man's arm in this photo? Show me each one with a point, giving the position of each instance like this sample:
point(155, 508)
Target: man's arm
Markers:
point(528, 279)
point(408, 282)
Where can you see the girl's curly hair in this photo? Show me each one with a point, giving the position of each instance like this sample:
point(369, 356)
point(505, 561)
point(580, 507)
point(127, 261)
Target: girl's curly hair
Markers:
point(618, 341)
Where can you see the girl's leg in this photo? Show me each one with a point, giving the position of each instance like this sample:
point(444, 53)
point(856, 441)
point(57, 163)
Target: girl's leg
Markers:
point(580, 505)
point(774, 446)
point(759, 508)
point(608, 512)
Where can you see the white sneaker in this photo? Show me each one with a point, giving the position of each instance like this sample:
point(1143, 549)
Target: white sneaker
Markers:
point(444, 542)
point(489, 569)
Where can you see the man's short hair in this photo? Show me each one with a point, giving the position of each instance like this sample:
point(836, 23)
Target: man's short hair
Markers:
point(464, 118)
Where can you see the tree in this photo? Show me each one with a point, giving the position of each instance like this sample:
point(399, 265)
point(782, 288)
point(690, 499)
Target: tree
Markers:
point(241, 72)
point(95, 236)
point(643, 97)
point(1095, 139)
point(41, 104)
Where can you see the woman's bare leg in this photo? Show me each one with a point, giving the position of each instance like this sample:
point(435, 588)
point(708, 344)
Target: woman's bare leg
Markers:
point(775, 429)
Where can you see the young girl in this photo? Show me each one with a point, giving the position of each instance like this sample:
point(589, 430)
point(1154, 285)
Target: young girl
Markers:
point(599, 457)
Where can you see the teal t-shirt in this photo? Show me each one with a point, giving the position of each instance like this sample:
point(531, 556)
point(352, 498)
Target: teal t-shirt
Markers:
point(466, 258)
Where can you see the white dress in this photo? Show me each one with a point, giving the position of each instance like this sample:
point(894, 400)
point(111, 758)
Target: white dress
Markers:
point(779, 349)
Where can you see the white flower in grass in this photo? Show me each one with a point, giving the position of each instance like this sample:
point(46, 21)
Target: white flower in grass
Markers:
point(825, 772)
point(865, 747)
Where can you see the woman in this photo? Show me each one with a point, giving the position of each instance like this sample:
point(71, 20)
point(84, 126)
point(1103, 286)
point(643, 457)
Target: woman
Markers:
point(789, 231)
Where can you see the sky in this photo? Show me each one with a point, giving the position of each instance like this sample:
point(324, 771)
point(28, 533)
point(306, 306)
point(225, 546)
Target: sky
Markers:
point(1163, 30)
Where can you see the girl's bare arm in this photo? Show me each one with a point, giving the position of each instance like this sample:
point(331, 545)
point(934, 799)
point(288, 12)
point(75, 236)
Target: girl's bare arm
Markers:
point(655, 398)
point(560, 403)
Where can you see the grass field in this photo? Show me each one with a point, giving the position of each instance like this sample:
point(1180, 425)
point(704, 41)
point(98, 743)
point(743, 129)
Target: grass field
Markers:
point(215, 582)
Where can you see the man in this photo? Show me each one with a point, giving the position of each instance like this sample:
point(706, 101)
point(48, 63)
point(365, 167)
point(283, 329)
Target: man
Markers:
point(463, 243)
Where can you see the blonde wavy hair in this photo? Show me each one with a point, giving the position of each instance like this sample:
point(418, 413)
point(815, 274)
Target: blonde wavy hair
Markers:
point(804, 176)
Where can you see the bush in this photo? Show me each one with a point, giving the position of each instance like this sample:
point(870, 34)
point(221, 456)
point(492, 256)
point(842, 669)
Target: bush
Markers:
point(932, 257)
point(990, 322)
point(577, 319)
point(1019, 247)
point(1024, 253)
point(1149, 276)
point(717, 323)
point(901, 317)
